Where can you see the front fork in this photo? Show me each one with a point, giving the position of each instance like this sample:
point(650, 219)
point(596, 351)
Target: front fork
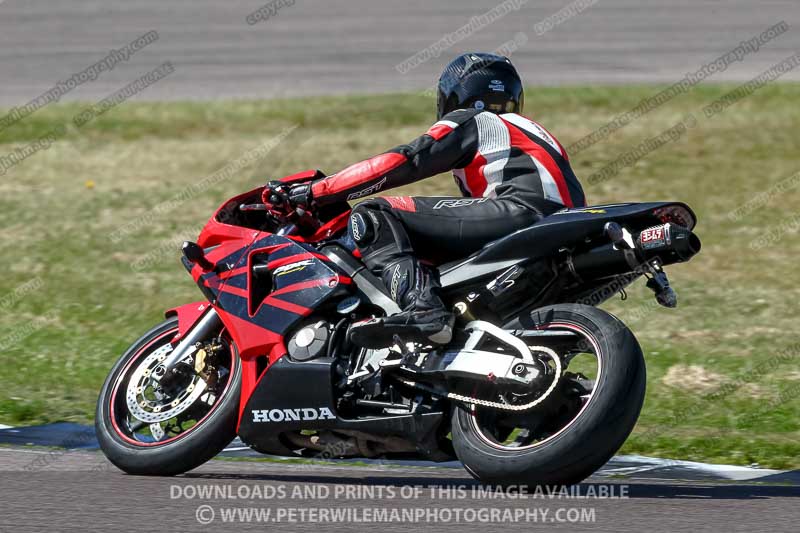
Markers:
point(207, 325)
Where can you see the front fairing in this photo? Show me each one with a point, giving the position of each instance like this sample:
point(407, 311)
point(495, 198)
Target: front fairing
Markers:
point(260, 309)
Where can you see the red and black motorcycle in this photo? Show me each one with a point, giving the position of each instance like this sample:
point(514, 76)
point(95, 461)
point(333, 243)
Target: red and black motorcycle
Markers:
point(538, 385)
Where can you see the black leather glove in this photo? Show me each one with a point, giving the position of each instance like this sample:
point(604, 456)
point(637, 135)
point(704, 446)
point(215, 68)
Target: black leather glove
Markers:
point(283, 198)
point(300, 195)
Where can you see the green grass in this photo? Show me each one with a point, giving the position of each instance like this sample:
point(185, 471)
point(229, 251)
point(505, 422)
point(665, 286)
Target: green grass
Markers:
point(89, 298)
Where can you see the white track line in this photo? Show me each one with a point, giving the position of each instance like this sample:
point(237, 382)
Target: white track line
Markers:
point(19, 450)
point(651, 464)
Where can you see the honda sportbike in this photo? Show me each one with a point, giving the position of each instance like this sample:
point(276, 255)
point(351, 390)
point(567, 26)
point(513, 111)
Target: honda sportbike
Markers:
point(537, 386)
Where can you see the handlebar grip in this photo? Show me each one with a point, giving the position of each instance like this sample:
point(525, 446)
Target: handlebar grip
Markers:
point(252, 207)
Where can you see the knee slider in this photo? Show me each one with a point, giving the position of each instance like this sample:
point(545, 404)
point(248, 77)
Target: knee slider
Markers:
point(364, 226)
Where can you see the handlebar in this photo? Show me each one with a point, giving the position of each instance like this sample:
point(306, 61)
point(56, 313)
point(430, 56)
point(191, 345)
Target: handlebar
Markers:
point(252, 207)
point(292, 222)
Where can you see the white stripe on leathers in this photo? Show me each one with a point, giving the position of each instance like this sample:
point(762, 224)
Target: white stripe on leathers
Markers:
point(532, 127)
point(494, 144)
point(549, 186)
point(448, 123)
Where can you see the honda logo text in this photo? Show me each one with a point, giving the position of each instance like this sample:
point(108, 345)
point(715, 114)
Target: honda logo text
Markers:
point(292, 415)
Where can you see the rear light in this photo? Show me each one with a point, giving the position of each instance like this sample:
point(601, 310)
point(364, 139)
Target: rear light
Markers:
point(677, 214)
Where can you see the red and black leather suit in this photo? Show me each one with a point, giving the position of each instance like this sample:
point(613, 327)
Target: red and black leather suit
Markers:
point(510, 170)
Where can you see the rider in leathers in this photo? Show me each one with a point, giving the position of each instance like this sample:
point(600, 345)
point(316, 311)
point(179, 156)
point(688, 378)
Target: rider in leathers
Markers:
point(511, 173)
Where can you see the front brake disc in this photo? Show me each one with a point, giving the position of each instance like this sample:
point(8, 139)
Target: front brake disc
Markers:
point(142, 401)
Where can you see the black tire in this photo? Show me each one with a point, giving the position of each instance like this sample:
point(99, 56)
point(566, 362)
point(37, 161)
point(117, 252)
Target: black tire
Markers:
point(593, 437)
point(200, 444)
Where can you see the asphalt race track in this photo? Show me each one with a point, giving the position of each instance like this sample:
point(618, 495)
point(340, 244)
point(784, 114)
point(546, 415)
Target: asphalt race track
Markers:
point(353, 46)
point(80, 491)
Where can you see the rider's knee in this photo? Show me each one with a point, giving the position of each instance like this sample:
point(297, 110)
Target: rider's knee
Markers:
point(365, 224)
point(378, 233)
point(372, 220)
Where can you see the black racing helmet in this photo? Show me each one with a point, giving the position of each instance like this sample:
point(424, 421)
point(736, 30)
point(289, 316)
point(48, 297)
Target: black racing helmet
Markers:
point(481, 81)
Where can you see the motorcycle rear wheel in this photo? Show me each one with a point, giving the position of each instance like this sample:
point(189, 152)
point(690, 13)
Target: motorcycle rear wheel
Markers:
point(588, 440)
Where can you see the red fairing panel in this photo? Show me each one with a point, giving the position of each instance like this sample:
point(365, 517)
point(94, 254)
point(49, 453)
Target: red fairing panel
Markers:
point(187, 316)
point(335, 225)
point(257, 328)
point(256, 340)
point(216, 232)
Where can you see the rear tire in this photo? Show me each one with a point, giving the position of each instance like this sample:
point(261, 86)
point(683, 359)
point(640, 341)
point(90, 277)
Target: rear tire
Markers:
point(593, 437)
point(201, 443)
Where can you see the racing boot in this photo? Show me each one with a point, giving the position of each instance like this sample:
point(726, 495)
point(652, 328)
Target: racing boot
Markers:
point(424, 320)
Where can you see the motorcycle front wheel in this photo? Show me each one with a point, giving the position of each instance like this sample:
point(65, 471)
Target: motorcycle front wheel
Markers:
point(146, 429)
